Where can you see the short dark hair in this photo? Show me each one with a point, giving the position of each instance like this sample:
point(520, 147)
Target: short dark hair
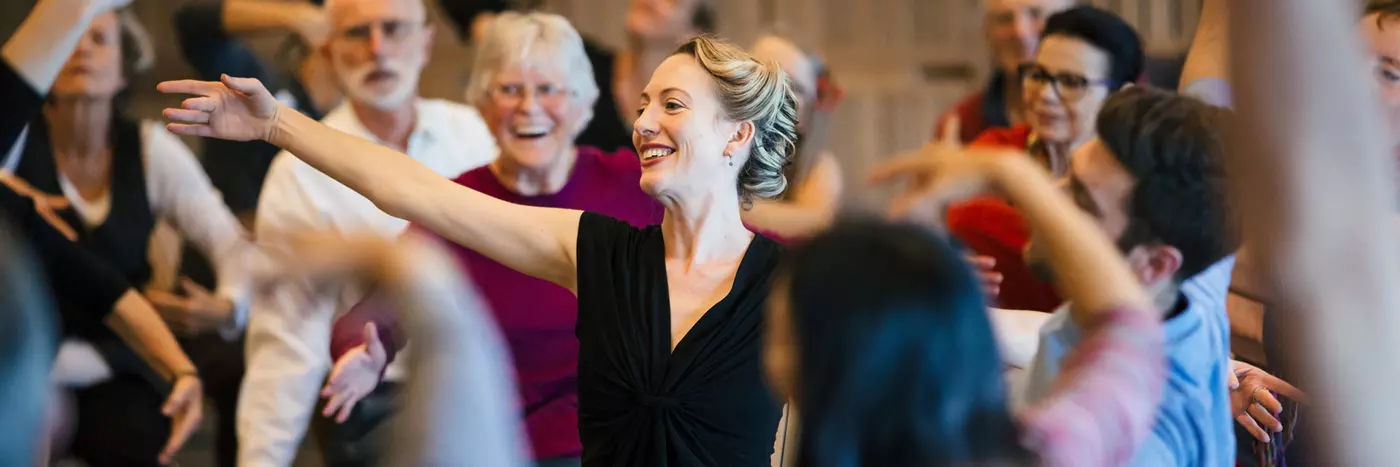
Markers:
point(1107, 32)
point(896, 357)
point(1173, 146)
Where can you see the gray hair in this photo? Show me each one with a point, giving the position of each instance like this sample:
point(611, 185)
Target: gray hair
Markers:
point(534, 39)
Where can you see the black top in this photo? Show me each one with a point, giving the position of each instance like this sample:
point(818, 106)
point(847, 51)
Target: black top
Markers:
point(236, 168)
point(71, 271)
point(123, 239)
point(606, 131)
point(640, 404)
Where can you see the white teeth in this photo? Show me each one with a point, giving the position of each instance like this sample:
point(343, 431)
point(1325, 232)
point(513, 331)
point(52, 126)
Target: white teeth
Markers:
point(656, 152)
point(532, 130)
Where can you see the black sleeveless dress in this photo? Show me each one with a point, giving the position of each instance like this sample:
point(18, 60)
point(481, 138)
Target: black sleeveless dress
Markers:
point(642, 405)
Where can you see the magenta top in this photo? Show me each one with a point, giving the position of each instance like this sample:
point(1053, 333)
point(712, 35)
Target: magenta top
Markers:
point(536, 317)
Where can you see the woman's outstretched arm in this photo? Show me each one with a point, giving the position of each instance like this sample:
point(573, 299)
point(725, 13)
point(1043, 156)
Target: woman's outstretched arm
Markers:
point(540, 242)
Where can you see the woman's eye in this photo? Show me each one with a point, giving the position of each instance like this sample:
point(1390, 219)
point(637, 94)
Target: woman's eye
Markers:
point(674, 106)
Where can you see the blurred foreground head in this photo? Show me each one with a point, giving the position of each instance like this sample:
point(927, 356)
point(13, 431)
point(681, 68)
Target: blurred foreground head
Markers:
point(879, 333)
point(27, 345)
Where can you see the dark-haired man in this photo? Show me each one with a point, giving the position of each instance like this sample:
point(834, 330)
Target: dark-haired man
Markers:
point(1153, 180)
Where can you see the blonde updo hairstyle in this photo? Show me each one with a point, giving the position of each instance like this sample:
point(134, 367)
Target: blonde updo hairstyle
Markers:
point(758, 92)
point(535, 40)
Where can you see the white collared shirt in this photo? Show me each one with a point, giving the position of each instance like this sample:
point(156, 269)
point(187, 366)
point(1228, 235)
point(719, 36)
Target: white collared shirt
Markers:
point(289, 331)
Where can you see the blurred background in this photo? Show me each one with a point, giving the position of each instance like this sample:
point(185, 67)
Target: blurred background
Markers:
point(901, 62)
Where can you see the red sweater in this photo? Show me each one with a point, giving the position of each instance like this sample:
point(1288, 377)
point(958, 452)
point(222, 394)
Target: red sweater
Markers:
point(991, 227)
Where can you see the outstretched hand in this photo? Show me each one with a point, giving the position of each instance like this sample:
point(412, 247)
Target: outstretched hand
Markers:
point(355, 375)
point(238, 109)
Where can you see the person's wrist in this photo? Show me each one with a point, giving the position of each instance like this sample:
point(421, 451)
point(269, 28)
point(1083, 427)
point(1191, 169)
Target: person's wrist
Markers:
point(277, 127)
point(184, 372)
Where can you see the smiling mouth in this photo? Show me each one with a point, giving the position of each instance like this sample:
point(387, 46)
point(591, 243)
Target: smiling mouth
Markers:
point(530, 133)
point(656, 153)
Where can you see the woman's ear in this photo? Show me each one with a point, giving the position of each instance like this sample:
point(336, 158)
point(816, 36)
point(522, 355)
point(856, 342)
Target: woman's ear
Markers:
point(739, 140)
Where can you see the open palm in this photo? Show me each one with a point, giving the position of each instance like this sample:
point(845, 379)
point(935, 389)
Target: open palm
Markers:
point(238, 109)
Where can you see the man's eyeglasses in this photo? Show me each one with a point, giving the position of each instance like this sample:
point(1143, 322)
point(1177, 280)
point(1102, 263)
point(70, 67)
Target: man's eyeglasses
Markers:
point(1070, 87)
point(391, 30)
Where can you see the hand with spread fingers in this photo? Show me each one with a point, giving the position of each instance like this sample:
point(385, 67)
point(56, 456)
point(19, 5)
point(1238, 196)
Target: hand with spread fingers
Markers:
point(198, 312)
point(45, 204)
point(238, 109)
point(355, 375)
point(185, 407)
point(1254, 399)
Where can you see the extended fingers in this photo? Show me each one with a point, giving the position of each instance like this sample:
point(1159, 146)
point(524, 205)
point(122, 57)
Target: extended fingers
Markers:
point(190, 86)
point(1253, 428)
point(186, 116)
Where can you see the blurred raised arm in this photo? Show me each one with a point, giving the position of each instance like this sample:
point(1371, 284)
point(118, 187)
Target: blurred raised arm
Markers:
point(1313, 176)
point(1206, 73)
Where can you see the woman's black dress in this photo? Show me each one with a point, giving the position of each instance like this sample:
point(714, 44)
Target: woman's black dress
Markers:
point(640, 404)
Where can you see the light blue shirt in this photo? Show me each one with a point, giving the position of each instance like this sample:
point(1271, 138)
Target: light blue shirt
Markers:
point(1194, 425)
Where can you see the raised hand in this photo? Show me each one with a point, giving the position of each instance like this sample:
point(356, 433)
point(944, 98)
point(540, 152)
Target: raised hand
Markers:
point(939, 174)
point(238, 109)
point(355, 375)
point(185, 407)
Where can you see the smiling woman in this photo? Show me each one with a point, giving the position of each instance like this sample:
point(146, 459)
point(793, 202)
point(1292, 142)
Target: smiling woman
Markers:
point(670, 316)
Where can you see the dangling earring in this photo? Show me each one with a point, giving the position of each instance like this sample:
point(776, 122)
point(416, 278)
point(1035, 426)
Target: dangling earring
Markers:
point(730, 157)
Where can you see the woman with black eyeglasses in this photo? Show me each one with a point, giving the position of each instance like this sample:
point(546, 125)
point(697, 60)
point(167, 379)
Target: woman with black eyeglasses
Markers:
point(1085, 54)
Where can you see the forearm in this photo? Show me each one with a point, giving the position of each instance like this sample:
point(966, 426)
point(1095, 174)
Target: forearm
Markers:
point(538, 242)
point(1088, 266)
point(41, 45)
point(1209, 56)
point(787, 219)
point(388, 178)
point(262, 16)
point(137, 323)
point(1312, 175)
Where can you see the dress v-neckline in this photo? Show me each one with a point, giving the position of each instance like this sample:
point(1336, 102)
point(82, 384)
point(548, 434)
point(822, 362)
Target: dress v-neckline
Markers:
point(707, 318)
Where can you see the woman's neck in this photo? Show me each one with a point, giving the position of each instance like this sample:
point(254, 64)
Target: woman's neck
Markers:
point(1056, 155)
point(78, 135)
point(704, 229)
point(531, 181)
point(78, 127)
